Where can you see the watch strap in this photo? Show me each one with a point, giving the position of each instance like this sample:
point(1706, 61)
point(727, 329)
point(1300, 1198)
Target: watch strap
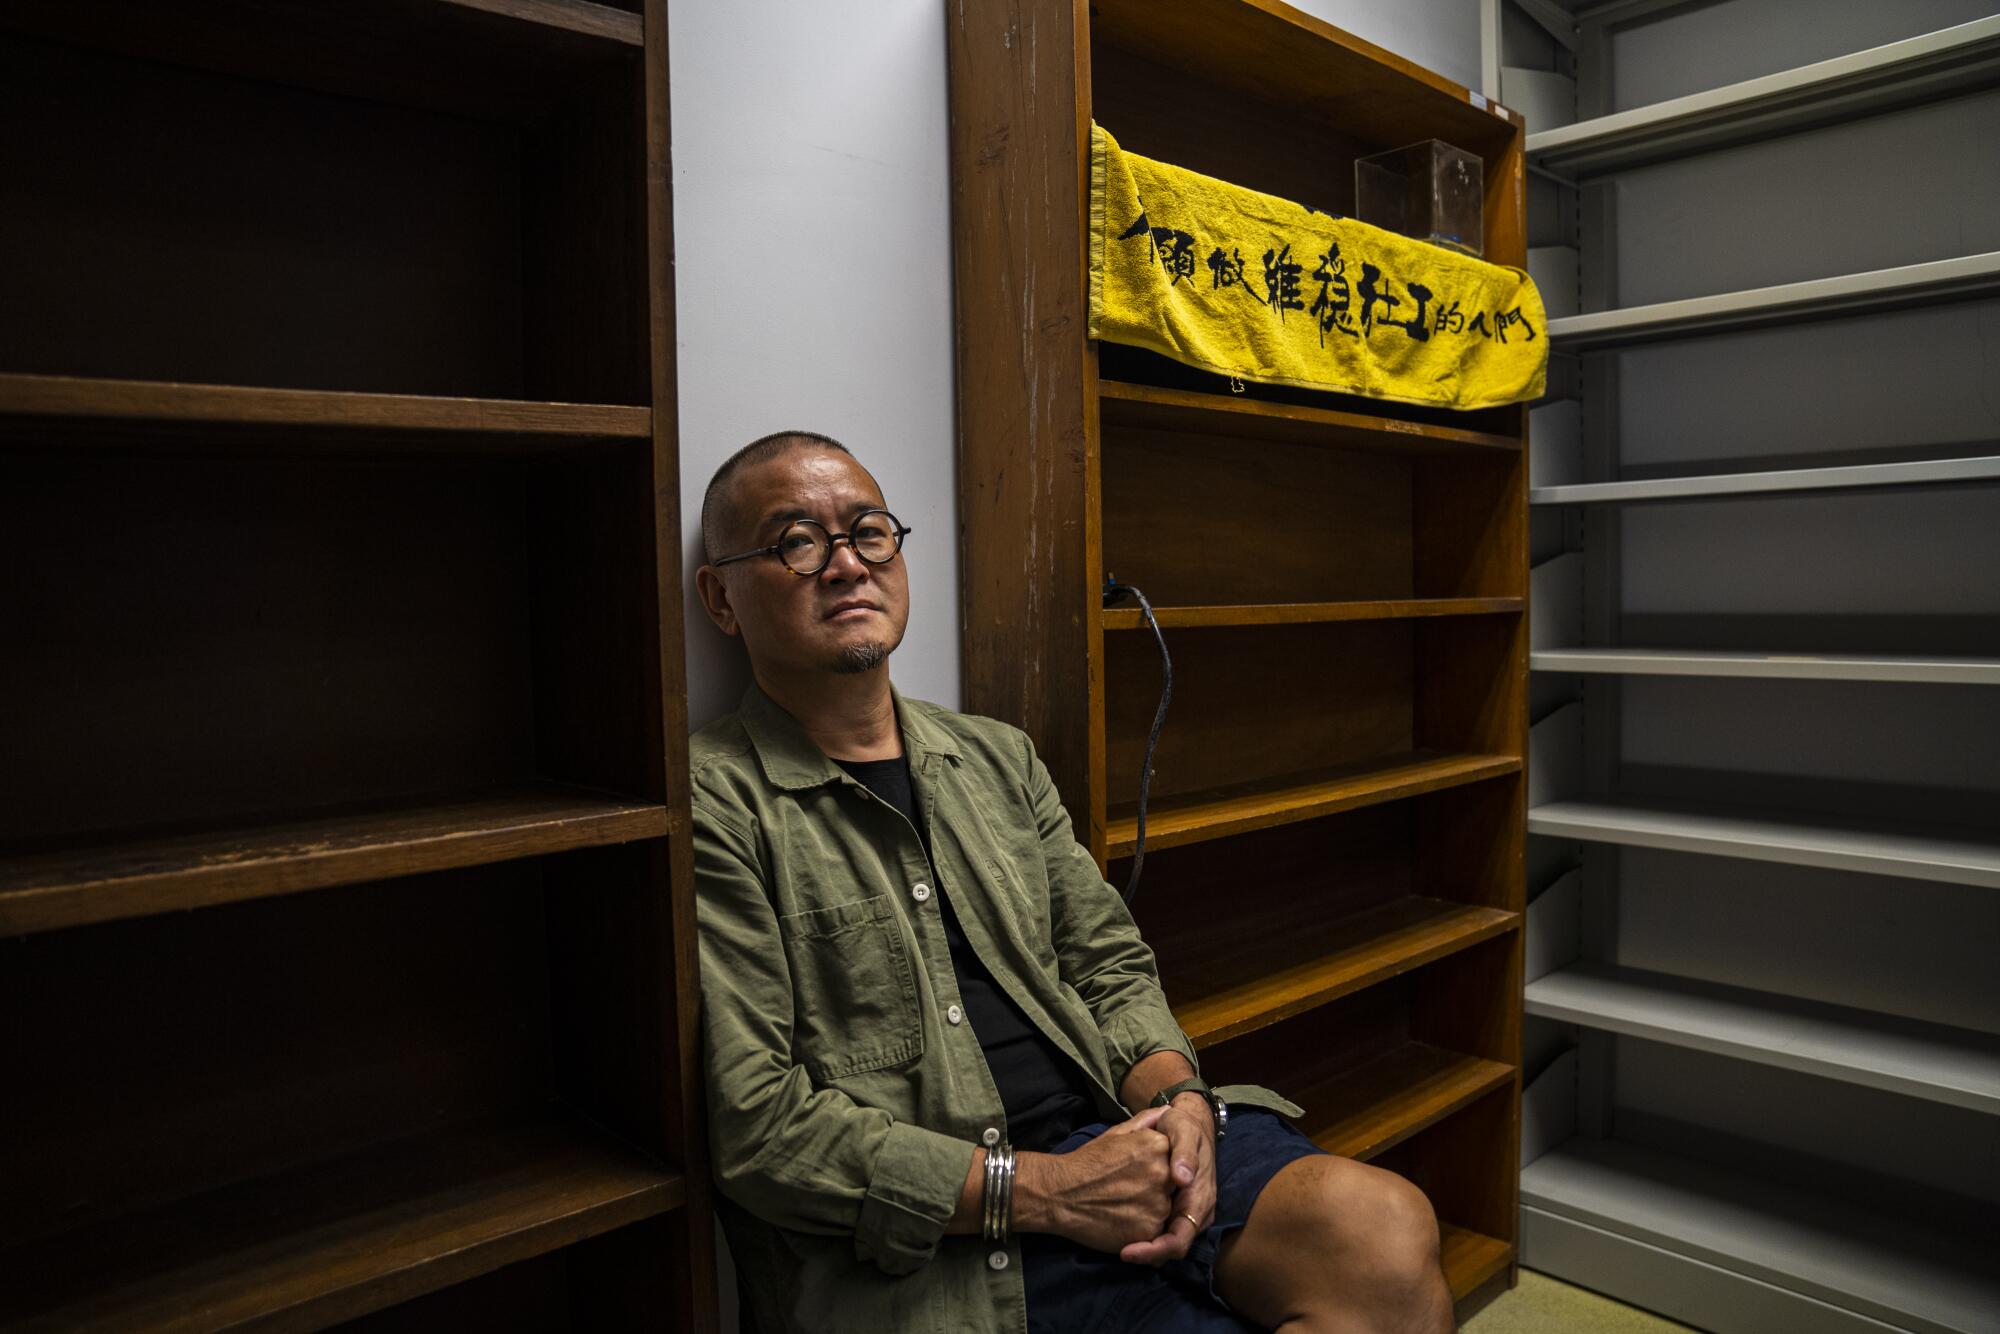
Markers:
point(1216, 1109)
point(1195, 1084)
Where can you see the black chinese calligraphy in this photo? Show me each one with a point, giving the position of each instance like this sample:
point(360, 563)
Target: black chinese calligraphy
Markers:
point(1330, 308)
point(1356, 310)
point(1173, 249)
point(1281, 281)
point(1503, 319)
point(1227, 271)
point(1372, 290)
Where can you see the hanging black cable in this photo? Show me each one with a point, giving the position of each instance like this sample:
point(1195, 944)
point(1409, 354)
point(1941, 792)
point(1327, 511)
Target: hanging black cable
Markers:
point(1112, 589)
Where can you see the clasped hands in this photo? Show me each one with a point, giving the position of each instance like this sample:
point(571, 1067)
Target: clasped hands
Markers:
point(1133, 1189)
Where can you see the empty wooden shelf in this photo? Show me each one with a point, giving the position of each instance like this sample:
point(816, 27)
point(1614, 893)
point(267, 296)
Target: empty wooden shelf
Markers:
point(1291, 797)
point(1225, 980)
point(1362, 1111)
point(308, 1248)
point(1297, 613)
point(1162, 409)
point(1470, 1258)
point(1336, 799)
point(77, 409)
point(505, 59)
point(129, 876)
point(336, 413)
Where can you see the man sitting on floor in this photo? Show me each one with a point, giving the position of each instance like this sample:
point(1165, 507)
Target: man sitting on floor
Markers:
point(945, 1089)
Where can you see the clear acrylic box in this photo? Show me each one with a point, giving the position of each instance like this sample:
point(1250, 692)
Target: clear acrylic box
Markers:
point(1430, 191)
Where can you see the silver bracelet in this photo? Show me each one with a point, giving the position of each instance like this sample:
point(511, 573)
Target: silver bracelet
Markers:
point(997, 1212)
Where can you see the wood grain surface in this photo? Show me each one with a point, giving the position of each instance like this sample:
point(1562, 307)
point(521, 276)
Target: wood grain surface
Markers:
point(306, 1249)
point(1303, 796)
point(1337, 799)
point(1164, 409)
point(85, 881)
point(63, 407)
point(1224, 983)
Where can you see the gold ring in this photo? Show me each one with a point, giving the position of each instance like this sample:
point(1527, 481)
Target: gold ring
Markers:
point(1192, 1219)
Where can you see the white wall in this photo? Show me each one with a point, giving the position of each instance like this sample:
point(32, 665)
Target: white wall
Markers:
point(812, 228)
point(812, 224)
point(1440, 35)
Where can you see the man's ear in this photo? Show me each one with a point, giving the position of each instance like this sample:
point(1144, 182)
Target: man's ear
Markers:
point(714, 596)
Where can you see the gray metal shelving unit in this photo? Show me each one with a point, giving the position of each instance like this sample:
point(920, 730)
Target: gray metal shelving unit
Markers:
point(1921, 472)
point(1732, 1251)
point(1921, 1060)
point(1952, 669)
point(1911, 850)
point(1763, 1041)
point(1814, 299)
point(1930, 65)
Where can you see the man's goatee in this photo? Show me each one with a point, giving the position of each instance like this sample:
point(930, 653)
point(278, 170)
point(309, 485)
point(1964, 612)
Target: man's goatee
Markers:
point(861, 658)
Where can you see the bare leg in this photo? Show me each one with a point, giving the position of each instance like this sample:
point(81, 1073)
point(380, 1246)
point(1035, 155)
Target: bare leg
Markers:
point(1333, 1246)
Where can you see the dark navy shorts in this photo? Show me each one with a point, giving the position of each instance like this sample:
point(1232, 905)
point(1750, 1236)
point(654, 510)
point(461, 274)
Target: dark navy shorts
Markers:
point(1075, 1290)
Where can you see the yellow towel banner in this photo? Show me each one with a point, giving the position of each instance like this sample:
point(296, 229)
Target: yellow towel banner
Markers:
point(1250, 285)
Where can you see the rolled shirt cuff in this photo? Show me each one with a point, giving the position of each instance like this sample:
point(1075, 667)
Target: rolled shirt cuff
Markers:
point(1137, 1032)
point(911, 1197)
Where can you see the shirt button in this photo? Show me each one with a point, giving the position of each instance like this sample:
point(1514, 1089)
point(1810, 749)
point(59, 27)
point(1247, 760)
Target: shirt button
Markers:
point(997, 1260)
point(990, 1136)
point(955, 1014)
point(921, 893)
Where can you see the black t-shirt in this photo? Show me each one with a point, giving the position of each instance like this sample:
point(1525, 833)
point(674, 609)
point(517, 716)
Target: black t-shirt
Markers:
point(1044, 1093)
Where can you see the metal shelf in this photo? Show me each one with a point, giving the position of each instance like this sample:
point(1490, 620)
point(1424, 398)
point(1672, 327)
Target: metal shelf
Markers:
point(1914, 1269)
point(1789, 666)
point(1924, 472)
point(1787, 303)
point(1934, 65)
point(1958, 1066)
point(1840, 843)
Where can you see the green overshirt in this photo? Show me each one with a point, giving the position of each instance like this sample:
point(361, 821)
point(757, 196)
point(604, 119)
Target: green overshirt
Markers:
point(844, 1104)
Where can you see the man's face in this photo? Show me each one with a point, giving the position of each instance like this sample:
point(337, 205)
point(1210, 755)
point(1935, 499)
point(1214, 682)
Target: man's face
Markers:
point(848, 617)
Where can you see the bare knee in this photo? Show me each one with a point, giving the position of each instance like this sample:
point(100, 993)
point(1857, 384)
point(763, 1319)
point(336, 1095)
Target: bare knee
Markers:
point(1403, 1226)
point(1384, 1228)
point(1336, 1244)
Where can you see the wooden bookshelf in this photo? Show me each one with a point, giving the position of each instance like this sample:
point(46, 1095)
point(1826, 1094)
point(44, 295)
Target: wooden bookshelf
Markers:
point(1290, 797)
point(1336, 806)
point(80, 413)
point(1231, 982)
point(1388, 1073)
point(81, 880)
point(1470, 1259)
point(344, 869)
point(1371, 1108)
point(311, 1247)
point(1295, 613)
point(1150, 406)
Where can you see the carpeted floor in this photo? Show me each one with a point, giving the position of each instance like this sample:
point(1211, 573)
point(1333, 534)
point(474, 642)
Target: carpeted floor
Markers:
point(1543, 1305)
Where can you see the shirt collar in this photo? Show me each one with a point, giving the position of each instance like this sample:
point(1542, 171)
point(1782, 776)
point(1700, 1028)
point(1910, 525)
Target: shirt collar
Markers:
point(792, 761)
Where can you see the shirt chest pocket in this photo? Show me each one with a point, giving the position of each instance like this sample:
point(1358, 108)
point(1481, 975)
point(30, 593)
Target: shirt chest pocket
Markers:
point(854, 995)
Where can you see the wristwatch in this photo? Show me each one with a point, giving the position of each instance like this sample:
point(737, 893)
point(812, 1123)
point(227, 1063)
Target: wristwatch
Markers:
point(1216, 1106)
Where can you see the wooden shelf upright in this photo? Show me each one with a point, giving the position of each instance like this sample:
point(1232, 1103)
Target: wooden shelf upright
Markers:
point(345, 890)
point(1334, 879)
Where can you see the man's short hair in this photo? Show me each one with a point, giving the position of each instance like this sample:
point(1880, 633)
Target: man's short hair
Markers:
point(719, 516)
